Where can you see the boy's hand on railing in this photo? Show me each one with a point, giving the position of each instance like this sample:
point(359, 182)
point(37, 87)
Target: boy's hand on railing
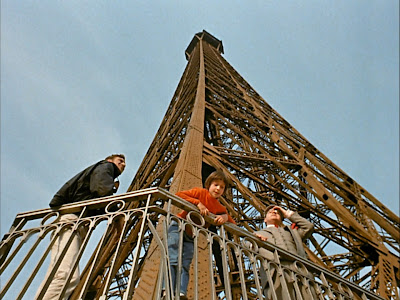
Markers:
point(221, 219)
point(203, 209)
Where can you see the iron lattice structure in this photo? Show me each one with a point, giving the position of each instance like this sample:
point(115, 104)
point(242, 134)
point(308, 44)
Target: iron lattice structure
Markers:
point(216, 120)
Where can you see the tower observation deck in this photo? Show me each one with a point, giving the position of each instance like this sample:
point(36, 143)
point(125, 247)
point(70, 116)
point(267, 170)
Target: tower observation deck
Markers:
point(217, 121)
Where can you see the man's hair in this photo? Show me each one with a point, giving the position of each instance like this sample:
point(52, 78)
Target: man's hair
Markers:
point(216, 175)
point(269, 207)
point(112, 156)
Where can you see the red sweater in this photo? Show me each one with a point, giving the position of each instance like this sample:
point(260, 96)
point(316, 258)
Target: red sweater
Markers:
point(198, 195)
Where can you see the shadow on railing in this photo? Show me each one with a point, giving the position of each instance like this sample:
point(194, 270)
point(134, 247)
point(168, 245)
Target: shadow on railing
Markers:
point(109, 239)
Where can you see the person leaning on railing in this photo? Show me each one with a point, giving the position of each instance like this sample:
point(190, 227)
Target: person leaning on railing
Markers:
point(289, 238)
point(98, 180)
point(206, 199)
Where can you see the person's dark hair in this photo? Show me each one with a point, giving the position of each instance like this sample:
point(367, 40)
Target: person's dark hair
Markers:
point(112, 156)
point(269, 207)
point(216, 175)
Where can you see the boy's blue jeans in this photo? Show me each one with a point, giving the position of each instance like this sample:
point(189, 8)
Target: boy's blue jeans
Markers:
point(173, 251)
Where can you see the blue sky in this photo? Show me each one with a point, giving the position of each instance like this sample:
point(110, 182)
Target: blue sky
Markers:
point(83, 79)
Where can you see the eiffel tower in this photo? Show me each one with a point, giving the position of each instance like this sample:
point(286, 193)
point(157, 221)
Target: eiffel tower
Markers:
point(216, 120)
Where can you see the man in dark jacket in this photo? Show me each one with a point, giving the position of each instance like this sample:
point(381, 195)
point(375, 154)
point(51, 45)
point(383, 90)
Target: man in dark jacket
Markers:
point(93, 182)
point(98, 180)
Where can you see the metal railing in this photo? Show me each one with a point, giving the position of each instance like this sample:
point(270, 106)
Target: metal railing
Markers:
point(98, 232)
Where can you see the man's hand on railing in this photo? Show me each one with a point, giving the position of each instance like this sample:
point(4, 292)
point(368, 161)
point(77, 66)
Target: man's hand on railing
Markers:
point(263, 238)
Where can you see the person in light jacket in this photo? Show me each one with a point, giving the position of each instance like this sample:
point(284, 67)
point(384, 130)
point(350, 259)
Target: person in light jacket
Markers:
point(289, 238)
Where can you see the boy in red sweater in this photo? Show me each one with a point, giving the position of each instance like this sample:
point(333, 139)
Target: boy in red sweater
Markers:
point(206, 200)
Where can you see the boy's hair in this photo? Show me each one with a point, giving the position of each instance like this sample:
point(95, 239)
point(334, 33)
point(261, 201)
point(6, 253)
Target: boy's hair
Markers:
point(112, 156)
point(216, 175)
